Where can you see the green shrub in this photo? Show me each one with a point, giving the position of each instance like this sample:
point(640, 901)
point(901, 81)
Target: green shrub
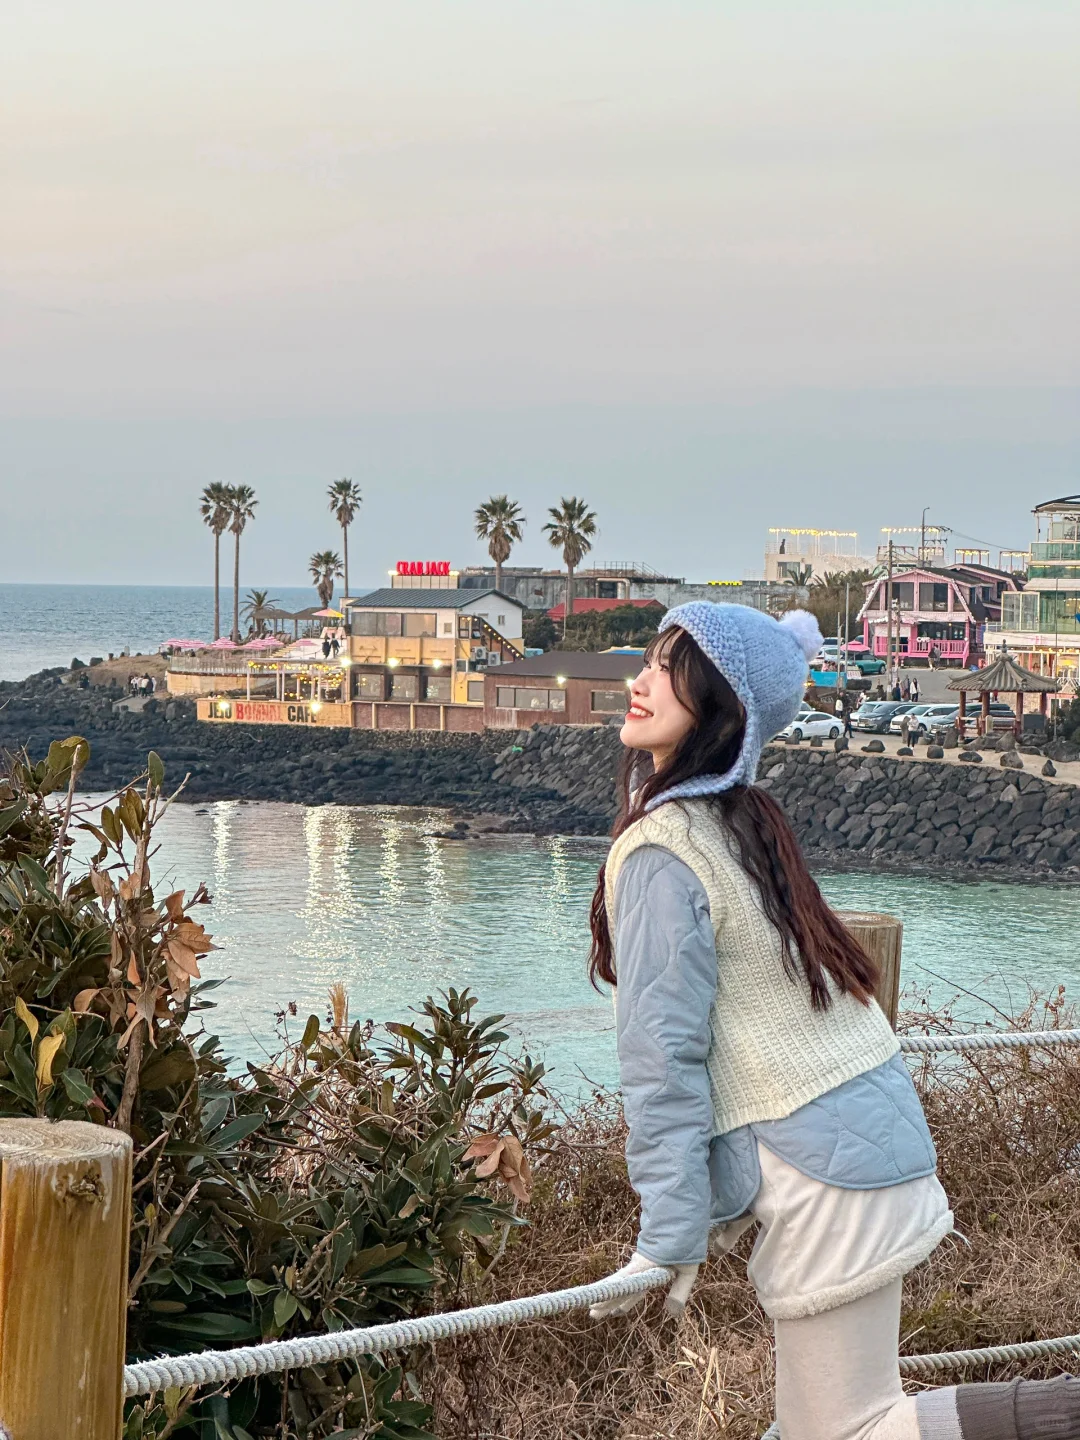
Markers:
point(333, 1187)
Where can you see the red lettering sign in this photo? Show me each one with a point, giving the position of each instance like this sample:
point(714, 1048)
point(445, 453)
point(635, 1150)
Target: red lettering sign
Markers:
point(423, 567)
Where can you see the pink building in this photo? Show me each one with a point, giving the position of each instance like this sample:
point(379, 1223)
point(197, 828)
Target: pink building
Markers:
point(939, 613)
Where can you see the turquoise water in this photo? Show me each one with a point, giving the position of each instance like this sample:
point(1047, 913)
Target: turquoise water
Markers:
point(367, 895)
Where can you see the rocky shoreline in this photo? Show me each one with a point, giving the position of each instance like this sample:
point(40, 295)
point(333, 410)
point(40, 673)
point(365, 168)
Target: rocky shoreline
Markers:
point(851, 809)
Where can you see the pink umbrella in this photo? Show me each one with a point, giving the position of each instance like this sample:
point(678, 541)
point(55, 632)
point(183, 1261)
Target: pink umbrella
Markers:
point(265, 642)
point(181, 645)
point(223, 644)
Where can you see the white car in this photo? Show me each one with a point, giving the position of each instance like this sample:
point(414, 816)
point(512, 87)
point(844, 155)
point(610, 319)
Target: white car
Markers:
point(922, 718)
point(812, 723)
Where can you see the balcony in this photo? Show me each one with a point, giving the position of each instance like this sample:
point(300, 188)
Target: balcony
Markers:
point(1044, 550)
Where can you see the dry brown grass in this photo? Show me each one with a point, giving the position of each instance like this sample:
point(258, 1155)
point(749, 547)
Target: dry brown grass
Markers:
point(1007, 1127)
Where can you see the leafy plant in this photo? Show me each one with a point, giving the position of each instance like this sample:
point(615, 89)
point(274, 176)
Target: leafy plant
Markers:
point(346, 1182)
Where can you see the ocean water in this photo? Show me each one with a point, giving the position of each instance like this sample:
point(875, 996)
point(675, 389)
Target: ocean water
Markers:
point(370, 896)
point(47, 625)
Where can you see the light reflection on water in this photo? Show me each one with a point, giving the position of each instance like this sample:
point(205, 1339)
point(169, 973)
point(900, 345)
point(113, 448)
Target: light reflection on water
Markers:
point(370, 896)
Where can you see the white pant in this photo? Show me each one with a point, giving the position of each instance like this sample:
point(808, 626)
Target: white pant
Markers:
point(838, 1373)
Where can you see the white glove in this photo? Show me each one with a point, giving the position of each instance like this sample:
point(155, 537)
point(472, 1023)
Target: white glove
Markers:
point(683, 1277)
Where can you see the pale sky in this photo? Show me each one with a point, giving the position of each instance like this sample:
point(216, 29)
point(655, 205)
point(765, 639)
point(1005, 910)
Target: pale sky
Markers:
point(713, 266)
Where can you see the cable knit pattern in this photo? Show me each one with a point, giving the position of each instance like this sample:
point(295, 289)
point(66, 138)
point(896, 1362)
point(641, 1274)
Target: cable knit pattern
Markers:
point(769, 1052)
point(763, 661)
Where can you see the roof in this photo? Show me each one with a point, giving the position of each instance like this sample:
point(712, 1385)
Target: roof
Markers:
point(1066, 502)
point(390, 598)
point(271, 612)
point(584, 607)
point(575, 665)
point(1005, 674)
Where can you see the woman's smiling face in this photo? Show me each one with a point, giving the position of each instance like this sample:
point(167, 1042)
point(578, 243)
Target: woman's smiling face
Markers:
point(657, 719)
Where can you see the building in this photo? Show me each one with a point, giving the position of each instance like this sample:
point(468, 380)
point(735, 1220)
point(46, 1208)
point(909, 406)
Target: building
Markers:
point(622, 582)
point(563, 687)
point(791, 553)
point(592, 607)
point(1040, 625)
point(939, 614)
point(404, 658)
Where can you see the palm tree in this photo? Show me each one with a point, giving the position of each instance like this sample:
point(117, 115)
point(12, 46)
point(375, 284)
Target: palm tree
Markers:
point(499, 522)
point(257, 600)
point(242, 504)
point(569, 529)
point(798, 577)
point(345, 500)
point(214, 508)
point(325, 567)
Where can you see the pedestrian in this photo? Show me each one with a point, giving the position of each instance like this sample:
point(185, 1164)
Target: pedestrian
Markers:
point(753, 1055)
point(914, 690)
point(334, 646)
point(847, 718)
point(896, 695)
point(326, 648)
point(905, 730)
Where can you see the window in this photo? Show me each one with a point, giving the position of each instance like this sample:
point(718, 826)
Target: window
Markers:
point(933, 596)
point(611, 702)
point(464, 627)
point(448, 627)
point(903, 594)
point(500, 619)
point(476, 692)
point(376, 622)
point(369, 687)
point(416, 624)
point(404, 687)
point(461, 665)
point(437, 687)
point(529, 697)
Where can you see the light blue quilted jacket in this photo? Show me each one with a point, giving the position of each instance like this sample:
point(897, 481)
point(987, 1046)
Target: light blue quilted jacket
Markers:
point(868, 1133)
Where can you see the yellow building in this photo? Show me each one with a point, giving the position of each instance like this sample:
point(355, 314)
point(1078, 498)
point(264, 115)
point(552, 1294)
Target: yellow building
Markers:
point(402, 658)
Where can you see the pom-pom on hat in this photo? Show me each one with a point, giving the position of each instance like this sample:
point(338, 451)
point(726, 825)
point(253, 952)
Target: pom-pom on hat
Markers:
point(764, 662)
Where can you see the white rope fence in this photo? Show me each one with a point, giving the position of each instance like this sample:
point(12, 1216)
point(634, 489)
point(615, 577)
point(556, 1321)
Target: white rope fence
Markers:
point(990, 1040)
point(215, 1367)
point(218, 1367)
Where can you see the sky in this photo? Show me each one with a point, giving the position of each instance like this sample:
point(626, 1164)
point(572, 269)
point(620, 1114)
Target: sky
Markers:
point(712, 266)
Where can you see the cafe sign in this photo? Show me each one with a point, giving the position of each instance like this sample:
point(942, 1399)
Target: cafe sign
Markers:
point(423, 567)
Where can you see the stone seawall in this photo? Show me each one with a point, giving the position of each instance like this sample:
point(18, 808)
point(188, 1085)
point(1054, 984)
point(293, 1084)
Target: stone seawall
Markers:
point(925, 813)
point(853, 809)
point(849, 809)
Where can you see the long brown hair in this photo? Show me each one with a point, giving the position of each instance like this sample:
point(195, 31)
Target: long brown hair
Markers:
point(813, 938)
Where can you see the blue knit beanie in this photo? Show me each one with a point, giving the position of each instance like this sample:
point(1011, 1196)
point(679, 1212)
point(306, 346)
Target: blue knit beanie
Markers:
point(763, 661)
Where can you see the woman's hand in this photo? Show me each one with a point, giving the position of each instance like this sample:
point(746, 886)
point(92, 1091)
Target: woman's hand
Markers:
point(683, 1277)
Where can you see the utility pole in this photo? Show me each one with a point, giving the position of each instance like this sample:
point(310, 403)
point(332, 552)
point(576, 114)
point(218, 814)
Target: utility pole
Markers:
point(889, 608)
point(847, 622)
point(922, 540)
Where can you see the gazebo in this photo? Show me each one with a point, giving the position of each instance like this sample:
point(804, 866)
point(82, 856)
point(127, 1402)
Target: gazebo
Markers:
point(1004, 675)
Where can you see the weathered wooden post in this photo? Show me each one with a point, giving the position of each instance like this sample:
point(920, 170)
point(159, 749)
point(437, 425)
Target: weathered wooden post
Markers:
point(882, 937)
point(65, 1218)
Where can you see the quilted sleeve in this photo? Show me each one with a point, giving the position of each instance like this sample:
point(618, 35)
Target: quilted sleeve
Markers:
point(666, 964)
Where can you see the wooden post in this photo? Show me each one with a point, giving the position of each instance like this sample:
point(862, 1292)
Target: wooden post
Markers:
point(65, 1217)
point(961, 715)
point(882, 937)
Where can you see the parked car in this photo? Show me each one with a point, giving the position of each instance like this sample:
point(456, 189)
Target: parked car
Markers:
point(810, 723)
point(1002, 717)
point(874, 715)
point(921, 718)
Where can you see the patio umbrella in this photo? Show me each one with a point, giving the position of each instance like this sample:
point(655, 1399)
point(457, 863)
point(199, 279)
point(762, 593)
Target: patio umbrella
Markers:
point(181, 645)
point(223, 644)
point(330, 614)
point(265, 642)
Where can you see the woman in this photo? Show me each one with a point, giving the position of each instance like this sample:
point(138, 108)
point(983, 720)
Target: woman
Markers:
point(761, 1081)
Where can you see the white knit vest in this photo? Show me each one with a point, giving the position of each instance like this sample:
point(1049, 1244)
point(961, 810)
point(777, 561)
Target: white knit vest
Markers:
point(769, 1051)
